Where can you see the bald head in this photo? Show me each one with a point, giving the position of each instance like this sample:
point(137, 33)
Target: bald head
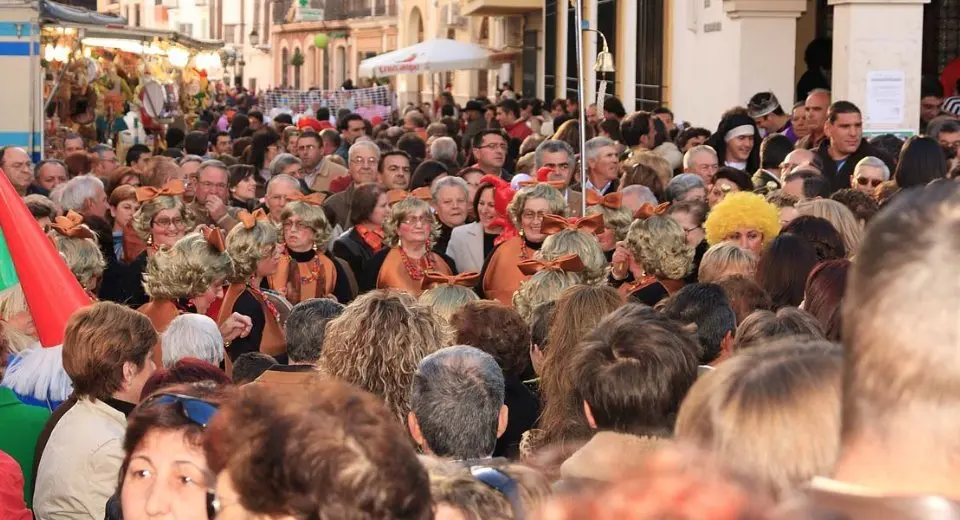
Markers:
point(816, 105)
point(799, 158)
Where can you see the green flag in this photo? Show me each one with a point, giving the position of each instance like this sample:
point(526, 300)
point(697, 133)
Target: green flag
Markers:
point(8, 274)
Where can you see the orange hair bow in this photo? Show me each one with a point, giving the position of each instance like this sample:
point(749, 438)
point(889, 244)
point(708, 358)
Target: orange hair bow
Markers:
point(553, 224)
point(567, 263)
point(432, 279)
point(395, 196)
point(611, 200)
point(71, 226)
point(249, 220)
point(314, 199)
point(559, 185)
point(648, 210)
point(214, 237)
point(170, 189)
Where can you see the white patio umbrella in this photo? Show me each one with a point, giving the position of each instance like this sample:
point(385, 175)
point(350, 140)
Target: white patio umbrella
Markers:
point(437, 55)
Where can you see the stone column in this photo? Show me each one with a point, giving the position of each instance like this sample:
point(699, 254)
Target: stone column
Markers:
point(883, 40)
point(724, 51)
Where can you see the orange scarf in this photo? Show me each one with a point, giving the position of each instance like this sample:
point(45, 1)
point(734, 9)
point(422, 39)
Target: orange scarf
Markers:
point(372, 236)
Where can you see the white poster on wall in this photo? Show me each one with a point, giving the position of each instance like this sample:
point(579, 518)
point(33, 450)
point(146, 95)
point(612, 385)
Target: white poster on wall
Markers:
point(886, 97)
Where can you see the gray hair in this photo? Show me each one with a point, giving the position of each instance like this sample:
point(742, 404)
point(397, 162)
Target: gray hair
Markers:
point(942, 124)
point(594, 145)
point(444, 149)
point(680, 185)
point(192, 335)
point(189, 159)
point(101, 149)
point(363, 144)
point(41, 164)
point(283, 178)
point(693, 152)
point(213, 163)
point(281, 161)
point(449, 181)
point(644, 193)
point(872, 162)
point(553, 146)
point(79, 190)
point(306, 327)
point(456, 397)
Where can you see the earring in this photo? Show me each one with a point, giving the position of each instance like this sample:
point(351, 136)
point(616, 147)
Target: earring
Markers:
point(314, 247)
point(150, 239)
point(191, 303)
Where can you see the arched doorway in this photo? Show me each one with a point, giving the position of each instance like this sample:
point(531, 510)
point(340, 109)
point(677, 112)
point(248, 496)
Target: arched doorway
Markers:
point(296, 69)
point(341, 75)
point(284, 68)
point(483, 76)
point(416, 36)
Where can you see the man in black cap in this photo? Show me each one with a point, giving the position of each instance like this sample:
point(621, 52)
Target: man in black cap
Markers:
point(473, 113)
point(765, 109)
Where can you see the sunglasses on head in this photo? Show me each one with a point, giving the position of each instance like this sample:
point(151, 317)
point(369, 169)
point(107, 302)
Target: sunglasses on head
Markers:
point(196, 410)
point(863, 181)
point(503, 483)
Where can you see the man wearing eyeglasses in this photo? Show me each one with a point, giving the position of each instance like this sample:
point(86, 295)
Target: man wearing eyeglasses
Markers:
point(105, 161)
point(18, 168)
point(489, 148)
point(364, 158)
point(209, 206)
point(560, 158)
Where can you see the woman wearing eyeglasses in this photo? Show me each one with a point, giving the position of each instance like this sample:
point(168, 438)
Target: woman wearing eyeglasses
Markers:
point(254, 249)
point(869, 173)
point(164, 473)
point(189, 278)
point(306, 270)
point(161, 220)
point(409, 231)
point(500, 276)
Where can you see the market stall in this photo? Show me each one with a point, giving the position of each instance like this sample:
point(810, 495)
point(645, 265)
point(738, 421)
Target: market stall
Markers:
point(118, 84)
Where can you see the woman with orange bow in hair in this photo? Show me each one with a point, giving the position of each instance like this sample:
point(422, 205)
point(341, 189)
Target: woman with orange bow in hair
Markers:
point(577, 236)
point(161, 220)
point(658, 257)
point(253, 246)
point(189, 278)
point(548, 280)
point(520, 240)
point(78, 245)
point(445, 294)
point(306, 270)
point(409, 231)
point(616, 219)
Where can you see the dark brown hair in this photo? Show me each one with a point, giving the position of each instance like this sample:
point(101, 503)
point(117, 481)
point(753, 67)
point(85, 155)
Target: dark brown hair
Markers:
point(823, 295)
point(78, 163)
point(763, 327)
point(783, 269)
point(745, 295)
point(322, 450)
point(497, 330)
point(186, 370)
point(634, 370)
point(98, 340)
point(364, 201)
point(640, 173)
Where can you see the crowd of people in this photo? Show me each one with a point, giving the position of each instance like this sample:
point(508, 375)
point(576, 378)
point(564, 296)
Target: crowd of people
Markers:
point(437, 316)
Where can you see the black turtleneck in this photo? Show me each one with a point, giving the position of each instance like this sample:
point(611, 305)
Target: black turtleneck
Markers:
point(488, 240)
point(121, 406)
point(305, 256)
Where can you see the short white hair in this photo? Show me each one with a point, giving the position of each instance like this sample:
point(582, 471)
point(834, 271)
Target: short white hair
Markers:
point(644, 193)
point(693, 152)
point(79, 190)
point(444, 149)
point(283, 178)
point(872, 162)
point(192, 335)
point(446, 182)
point(363, 144)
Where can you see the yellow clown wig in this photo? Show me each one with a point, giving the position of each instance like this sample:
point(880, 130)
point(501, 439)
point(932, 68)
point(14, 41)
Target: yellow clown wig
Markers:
point(742, 210)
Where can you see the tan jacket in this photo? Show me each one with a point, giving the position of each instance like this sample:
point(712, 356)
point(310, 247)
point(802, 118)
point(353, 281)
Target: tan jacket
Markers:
point(610, 456)
point(326, 172)
point(80, 463)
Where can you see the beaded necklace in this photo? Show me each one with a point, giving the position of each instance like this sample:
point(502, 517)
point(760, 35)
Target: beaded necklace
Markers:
point(260, 296)
point(414, 269)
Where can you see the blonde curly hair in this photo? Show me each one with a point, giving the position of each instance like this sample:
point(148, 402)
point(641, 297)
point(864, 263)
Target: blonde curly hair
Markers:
point(447, 299)
point(143, 218)
point(558, 206)
point(247, 247)
point(544, 286)
point(312, 217)
point(12, 303)
point(582, 244)
point(185, 270)
point(742, 210)
point(83, 257)
point(660, 246)
point(619, 219)
point(402, 210)
point(378, 342)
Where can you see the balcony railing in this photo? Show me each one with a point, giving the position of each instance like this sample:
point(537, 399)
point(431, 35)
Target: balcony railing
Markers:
point(338, 9)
